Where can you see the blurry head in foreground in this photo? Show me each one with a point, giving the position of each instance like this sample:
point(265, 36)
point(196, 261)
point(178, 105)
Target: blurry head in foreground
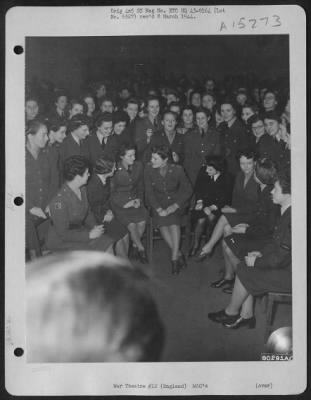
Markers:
point(280, 341)
point(88, 306)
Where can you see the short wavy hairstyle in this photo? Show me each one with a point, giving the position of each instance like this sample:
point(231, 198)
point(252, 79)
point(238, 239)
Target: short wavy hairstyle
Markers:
point(266, 171)
point(75, 165)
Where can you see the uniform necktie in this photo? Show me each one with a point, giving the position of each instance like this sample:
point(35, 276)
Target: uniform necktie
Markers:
point(202, 132)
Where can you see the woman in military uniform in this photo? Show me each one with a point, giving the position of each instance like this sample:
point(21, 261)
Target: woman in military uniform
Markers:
point(168, 191)
point(263, 271)
point(170, 138)
point(98, 193)
point(73, 225)
point(233, 135)
point(127, 195)
point(199, 142)
point(245, 198)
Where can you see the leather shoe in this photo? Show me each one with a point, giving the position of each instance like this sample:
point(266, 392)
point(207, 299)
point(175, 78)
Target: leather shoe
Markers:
point(222, 282)
point(239, 322)
point(223, 317)
point(175, 267)
point(202, 256)
point(182, 261)
point(194, 250)
point(142, 256)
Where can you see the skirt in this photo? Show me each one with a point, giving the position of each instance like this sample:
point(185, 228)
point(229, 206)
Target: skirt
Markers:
point(175, 218)
point(240, 245)
point(238, 218)
point(130, 215)
point(259, 281)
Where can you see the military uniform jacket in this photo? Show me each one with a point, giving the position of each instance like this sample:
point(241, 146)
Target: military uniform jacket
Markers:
point(266, 147)
point(197, 147)
point(163, 191)
point(233, 139)
point(37, 180)
point(245, 198)
point(265, 218)
point(140, 136)
point(53, 156)
point(71, 218)
point(70, 148)
point(127, 185)
point(177, 146)
point(211, 192)
point(99, 197)
point(277, 253)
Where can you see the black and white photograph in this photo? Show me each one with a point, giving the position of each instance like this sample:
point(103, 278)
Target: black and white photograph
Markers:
point(161, 185)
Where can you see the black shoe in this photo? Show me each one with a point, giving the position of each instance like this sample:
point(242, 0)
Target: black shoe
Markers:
point(175, 267)
point(222, 282)
point(223, 317)
point(182, 261)
point(239, 322)
point(202, 256)
point(193, 251)
point(228, 290)
point(142, 256)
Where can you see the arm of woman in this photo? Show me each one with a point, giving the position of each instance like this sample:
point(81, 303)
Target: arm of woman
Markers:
point(149, 190)
point(60, 219)
point(184, 191)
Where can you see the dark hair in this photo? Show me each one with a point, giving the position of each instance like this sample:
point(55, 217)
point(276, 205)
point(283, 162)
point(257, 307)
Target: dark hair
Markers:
point(131, 101)
point(151, 98)
point(55, 124)
point(274, 92)
point(187, 108)
point(124, 148)
point(120, 116)
point(75, 165)
point(231, 101)
point(175, 104)
point(32, 98)
point(252, 106)
point(103, 166)
point(248, 152)
point(171, 113)
point(204, 111)
point(216, 162)
point(284, 179)
point(209, 93)
point(266, 171)
point(76, 121)
point(103, 117)
point(163, 151)
point(273, 115)
point(255, 118)
point(57, 95)
point(103, 99)
point(33, 126)
point(78, 101)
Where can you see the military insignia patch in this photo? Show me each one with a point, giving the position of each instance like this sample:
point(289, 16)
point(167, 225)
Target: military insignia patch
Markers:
point(58, 206)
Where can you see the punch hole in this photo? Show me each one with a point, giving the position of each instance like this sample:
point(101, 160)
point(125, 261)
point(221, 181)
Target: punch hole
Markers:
point(18, 201)
point(18, 50)
point(18, 352)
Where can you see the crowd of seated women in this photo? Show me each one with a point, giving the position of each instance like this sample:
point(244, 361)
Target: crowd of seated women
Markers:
point(98, 167)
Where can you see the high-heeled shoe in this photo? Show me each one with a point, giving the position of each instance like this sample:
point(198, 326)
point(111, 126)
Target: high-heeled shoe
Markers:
point(175, 267)
point(142, 256)
point(193, 251)
point(222, 317)
point(182, 261)
point(202, 256)
point(239, 322)
point(222, 282)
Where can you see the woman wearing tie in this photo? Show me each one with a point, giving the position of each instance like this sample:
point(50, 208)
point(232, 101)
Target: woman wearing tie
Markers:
point(168, 192)
point(199, 142)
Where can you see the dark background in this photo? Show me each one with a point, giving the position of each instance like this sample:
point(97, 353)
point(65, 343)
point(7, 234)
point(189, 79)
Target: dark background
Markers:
point(70, 61)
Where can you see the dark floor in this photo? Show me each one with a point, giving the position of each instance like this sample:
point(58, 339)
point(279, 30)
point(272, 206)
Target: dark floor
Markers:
point(184, 301)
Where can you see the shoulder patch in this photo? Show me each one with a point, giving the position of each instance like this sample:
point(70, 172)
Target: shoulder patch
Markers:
point(58, 205)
